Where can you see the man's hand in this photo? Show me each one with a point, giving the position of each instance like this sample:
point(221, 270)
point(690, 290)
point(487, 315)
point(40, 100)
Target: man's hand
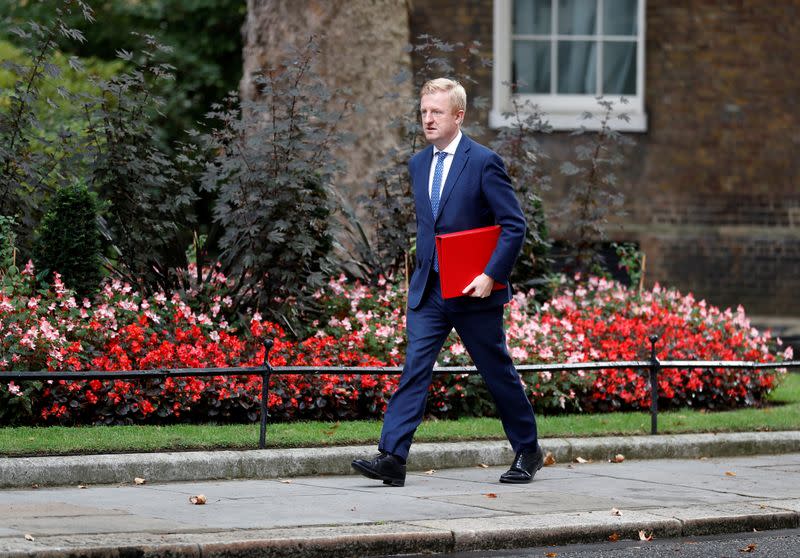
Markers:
point(481, 286)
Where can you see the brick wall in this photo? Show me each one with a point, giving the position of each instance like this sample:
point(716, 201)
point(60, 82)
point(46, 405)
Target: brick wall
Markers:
point(713, 187)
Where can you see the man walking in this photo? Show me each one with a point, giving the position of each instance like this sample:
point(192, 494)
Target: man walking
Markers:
point(458, 185)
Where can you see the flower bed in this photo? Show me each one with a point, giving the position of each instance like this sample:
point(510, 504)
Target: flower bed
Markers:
point(600, 320)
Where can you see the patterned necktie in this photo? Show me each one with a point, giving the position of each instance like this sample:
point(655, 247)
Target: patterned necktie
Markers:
point(436, 188)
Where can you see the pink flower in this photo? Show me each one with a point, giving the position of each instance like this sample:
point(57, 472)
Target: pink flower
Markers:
point(384, 331)
point(48, 331)
point(457, 349)
point(546, 353)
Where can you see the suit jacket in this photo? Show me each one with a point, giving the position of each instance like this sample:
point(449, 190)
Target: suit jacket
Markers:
point(477, 193)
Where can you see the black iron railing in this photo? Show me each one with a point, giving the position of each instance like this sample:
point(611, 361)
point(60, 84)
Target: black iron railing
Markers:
point(653, 365)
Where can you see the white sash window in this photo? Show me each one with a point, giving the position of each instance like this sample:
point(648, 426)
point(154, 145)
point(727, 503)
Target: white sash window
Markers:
point(567, 53)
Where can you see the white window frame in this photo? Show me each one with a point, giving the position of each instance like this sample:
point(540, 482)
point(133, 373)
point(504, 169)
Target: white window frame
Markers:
point(563, 112)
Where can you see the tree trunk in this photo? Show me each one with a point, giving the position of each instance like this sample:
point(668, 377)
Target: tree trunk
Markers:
point(362, 49)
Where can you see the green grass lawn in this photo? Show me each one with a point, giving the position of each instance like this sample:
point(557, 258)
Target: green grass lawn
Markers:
point(783, 414)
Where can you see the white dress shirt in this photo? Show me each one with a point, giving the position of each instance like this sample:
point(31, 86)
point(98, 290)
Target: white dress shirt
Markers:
point(451, 151)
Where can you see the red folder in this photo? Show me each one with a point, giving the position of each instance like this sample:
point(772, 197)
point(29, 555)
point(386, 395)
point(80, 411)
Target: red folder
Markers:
point(463, 256)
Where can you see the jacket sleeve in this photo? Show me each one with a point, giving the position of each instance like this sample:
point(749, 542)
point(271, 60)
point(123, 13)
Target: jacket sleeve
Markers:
point(503, 203)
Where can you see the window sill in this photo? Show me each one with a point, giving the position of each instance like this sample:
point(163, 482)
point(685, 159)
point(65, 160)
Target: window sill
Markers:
point(568, 121)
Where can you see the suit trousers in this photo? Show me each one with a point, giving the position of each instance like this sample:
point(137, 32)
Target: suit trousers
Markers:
point(484, 337)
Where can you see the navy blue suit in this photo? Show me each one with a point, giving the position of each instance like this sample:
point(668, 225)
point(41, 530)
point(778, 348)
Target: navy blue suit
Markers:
point(476, 193)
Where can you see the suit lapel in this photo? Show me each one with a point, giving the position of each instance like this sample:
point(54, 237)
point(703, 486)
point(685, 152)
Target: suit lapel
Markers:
point(459, 162)
point(421, 178)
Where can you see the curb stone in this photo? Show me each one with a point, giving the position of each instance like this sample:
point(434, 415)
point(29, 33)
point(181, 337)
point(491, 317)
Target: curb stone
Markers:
point(456, 535)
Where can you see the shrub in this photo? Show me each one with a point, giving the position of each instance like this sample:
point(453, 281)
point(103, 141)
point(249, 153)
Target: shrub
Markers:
point(29, 166)
point(8, 246)
point(525, 162)
point(62, 122)
point(146, 200)
point(206, 35)
point(273, 173)
point(598, 320)
point(68, 240)
point(593, 192)
point(48, 329)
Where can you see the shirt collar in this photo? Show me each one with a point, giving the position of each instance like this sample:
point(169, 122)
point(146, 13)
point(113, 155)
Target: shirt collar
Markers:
point(451, 148)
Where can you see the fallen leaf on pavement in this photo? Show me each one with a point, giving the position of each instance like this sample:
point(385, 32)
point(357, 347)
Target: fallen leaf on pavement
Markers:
point(491, 495)
point(29, 537)
point(613, 537)
point(549, 459)
point(483, 465)
point(730, 474)
point(139, 480)
point(432, 471)
point(580, 459)
point(643, 536)
point(615, 511)
point(748, 548)
point(198, 500)
point(619, 458)
point(551, 554)
point(286, 481)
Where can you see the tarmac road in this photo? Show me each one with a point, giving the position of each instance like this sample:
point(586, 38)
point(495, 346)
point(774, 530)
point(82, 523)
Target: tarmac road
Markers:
point(773, 544)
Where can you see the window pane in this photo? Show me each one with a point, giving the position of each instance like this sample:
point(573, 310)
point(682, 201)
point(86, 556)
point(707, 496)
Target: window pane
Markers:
point(532, 17)
point(619, 68)
point(620, 17)
point(531, 65)
point(577, 17)
point(577, 67)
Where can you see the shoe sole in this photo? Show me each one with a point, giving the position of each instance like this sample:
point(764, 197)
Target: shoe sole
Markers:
point(509, 481)
point(370, 474)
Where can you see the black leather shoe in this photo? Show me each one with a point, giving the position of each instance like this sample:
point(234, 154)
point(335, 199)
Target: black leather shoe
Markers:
point(384, 466)
point(525, 465)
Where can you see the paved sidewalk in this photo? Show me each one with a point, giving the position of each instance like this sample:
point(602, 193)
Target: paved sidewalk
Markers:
point(454, 509)
point(273, 463)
